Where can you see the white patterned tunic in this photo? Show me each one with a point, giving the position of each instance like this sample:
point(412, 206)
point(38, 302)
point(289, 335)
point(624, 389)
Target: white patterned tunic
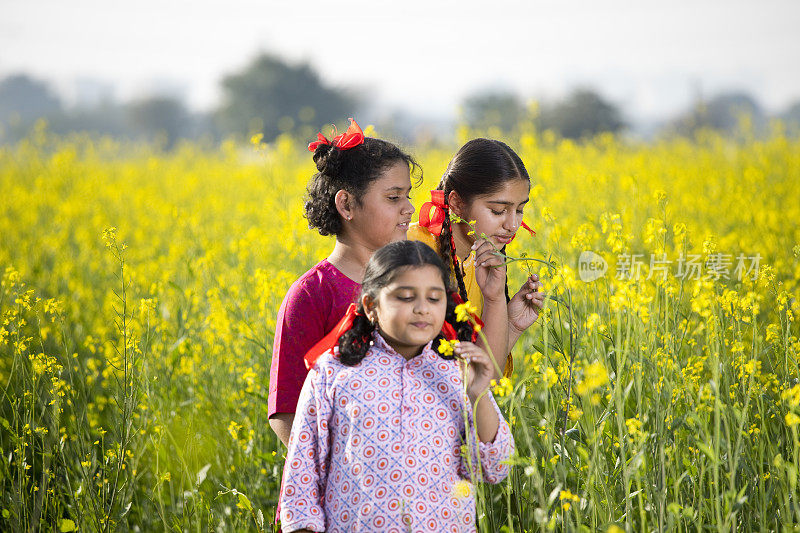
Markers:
point(377, 447)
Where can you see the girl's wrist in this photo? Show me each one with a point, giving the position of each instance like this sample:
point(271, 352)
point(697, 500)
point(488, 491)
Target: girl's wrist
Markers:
point(475, 395)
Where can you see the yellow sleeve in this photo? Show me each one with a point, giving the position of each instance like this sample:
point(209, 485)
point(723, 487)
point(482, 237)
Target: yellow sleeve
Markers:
point(418, 233)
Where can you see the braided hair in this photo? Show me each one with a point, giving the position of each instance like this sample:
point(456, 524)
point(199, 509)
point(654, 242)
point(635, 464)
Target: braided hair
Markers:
point(382, 269)
point(479, 167)
point(352, 170)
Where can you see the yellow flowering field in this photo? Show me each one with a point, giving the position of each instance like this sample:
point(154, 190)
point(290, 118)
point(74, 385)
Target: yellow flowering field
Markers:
point(658, 391)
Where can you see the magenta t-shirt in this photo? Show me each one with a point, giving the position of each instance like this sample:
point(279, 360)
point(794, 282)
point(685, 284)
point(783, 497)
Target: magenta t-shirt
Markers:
point(313, 306)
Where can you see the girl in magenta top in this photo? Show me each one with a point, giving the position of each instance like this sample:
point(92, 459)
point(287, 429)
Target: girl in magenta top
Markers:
point(360, 194)
point(376, 445)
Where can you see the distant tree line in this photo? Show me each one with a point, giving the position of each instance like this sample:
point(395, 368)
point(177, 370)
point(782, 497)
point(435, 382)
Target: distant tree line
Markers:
point(270, 96)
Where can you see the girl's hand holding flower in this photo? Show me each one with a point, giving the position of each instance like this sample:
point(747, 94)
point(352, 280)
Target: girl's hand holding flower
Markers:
point(480, 368)
point(490, 271)
point(525, 305)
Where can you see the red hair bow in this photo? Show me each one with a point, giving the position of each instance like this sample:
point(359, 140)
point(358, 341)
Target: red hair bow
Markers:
point(352, 137)
point(332, 338)
point(433, 214)
point(524, 225)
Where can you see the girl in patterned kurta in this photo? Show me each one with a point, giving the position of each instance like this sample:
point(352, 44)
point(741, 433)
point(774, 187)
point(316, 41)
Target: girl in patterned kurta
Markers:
point(376, 443)
point(360, 195)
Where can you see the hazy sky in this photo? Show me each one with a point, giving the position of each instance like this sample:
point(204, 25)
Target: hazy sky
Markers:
point(649, 57)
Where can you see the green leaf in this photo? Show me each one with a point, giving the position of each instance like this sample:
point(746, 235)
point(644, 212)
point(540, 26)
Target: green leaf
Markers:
point(706, 449)
point(244, 502)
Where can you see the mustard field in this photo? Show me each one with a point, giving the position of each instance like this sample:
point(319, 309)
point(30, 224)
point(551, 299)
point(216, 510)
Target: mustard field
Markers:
point(660, 389)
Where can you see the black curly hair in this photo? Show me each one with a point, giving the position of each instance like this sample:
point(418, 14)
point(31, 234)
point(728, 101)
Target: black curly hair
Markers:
point(479, 167)
point(384, 265)
point(352, 170)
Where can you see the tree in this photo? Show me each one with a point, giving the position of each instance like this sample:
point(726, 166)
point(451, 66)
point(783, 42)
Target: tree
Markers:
point(159, 115)
point(723, 112)
point(22, 101)
point(486, 110)
point(271, 96)
point(582, 114)
point(791, 117)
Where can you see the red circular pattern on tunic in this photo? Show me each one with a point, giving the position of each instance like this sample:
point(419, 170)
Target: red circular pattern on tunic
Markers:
point(408, 491)
point(383, 408)
point(382, 464)
point(393, 504)
point(395, 475)
point(369, 395)
point(369, 451)
point(426, 425)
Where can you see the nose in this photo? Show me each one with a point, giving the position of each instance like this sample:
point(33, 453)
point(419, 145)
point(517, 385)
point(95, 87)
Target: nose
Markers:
point(512, 222)
point(421, 306)
point(408, 208)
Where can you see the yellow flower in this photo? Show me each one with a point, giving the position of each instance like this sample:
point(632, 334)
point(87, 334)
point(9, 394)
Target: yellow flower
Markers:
point(465, 312)
point(594, 376)
point(503, 388)
point(462, 489)
point(446, 347)
point(792, 419)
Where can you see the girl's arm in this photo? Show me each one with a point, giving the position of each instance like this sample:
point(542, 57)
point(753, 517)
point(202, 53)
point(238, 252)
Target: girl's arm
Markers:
point(306, 470)
point(281, 424)
point(490, 274)
point(300, 324)
point(495, 442)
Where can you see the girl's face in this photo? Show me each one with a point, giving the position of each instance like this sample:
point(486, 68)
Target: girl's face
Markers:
point(385, 209)
point(410, 310)
point(498, 214)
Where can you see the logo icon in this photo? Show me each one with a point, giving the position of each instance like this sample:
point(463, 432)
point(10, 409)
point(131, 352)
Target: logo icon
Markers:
point(591, 266)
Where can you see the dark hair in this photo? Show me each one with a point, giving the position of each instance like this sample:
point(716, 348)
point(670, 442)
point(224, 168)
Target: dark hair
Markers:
point(479, 167)
point(352, 170)
point(383, 267)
